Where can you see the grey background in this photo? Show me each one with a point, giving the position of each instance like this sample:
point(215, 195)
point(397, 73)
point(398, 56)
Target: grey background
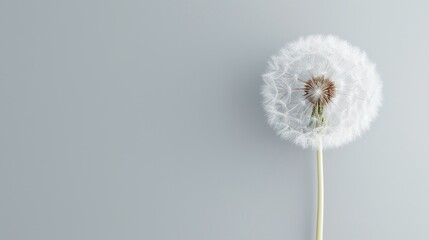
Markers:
point(142, 120)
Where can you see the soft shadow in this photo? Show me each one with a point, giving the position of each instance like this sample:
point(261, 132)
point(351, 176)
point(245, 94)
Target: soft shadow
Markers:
point(298, 164)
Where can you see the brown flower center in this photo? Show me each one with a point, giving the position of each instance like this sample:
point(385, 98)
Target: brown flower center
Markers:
point(319, 90)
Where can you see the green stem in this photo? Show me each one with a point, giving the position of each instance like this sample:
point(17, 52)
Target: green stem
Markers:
point(318, 114)
point(320, 193)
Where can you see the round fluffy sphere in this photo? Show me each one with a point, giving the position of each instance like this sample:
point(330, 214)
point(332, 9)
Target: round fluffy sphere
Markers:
point(333, 67)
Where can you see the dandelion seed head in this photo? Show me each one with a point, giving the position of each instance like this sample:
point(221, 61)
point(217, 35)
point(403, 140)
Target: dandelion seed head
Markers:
point(321, 87)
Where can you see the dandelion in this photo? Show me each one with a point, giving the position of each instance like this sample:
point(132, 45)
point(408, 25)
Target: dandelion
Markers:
point(320, 89)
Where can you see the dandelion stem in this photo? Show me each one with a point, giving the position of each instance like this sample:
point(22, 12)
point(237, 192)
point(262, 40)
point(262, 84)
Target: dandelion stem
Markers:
point(320, 193)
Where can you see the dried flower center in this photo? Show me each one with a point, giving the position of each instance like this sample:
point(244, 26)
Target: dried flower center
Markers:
point(319, 90)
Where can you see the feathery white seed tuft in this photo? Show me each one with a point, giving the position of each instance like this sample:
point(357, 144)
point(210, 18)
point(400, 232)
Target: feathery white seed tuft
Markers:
point(321, 87)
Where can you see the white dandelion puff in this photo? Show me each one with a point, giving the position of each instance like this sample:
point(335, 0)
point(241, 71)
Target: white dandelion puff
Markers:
point(321, 87)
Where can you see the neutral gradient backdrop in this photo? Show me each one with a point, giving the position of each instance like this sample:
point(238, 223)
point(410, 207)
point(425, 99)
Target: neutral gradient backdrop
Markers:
point(135, 119)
